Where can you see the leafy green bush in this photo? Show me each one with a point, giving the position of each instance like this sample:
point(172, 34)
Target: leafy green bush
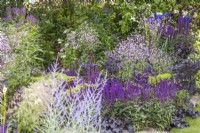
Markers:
point(151, 114)
point(24, 57)
point(197, 81)
point(82, 44)
point(54, 19)
point(181, 97)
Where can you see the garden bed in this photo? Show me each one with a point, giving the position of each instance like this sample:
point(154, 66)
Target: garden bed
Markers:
point(99, 66)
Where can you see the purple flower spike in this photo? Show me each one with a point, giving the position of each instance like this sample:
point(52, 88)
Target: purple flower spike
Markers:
point(155, 16)
point(18, 25)
point(3, 128)
point(151, 20)
point(31, 19)
point(167, 14)
point(19, 11)
point(16, 11)
point(186, 19)
point(8, 18)
point(23, 10)
point(160, 17)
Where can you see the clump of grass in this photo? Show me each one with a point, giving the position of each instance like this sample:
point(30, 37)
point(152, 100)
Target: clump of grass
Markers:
point(35, 100)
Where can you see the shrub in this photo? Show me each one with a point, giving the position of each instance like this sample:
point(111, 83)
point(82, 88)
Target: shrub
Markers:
point(186, 74)
point(24, 50)
point(149, 114)
point(54, 19)
point(182, 96)
point(135, 52)
point(83, 44)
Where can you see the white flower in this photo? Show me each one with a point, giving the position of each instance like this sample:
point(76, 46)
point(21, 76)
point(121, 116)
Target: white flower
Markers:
point(159, 13)
point(63, 56)
point(38, 101)
point(176, 11)
point(32, 1)
point(4, 90)
point(132, 18)
point(65, 31)
point(185, 13)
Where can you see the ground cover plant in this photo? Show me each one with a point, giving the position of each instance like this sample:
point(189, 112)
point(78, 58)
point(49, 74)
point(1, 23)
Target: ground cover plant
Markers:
point(99, 66)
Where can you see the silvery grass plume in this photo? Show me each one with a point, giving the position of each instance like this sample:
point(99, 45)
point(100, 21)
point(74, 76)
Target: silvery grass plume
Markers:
point(76, 109)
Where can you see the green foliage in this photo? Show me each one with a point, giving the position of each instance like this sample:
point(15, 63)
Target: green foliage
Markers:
point(3, 105)
point(81, 43)
point(126, 15)
point(102, 17)
point(162, 5)
point(197, 81)
point(180, 96)
point(50, 29)
point(125, 72)
point(194, 124)
point(155, 79)
point(196, 45)
point(53, 22)
point(25, 58)
point(151, 114)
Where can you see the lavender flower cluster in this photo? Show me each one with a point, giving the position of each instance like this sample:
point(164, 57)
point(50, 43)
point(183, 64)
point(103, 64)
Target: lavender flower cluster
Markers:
point(31, 19)
point(13, 13)
point(4, 48)
point(4, 42)
point(85, 35)
point(134, 49)
point(20, 11)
